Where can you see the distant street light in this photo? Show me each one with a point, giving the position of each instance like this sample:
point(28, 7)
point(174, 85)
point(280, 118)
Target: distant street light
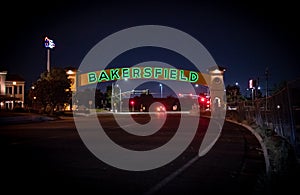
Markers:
point(33, 97)
point(161, 95)
point(116, 97)
point(14, 95)
point(120, 97)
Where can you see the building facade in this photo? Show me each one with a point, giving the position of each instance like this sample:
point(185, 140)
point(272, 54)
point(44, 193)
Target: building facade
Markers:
point(2, 82)
point(12, 91)
point(72, 75)
point(71, 72)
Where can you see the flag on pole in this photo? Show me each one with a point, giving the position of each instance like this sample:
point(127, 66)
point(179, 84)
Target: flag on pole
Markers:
point(49, 43)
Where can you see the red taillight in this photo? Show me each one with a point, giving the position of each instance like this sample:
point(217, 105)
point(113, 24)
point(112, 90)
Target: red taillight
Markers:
point(160, 108)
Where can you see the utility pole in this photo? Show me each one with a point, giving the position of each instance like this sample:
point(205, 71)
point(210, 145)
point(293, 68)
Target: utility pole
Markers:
point(112, 97)
point(267, 80)
point(48, 59)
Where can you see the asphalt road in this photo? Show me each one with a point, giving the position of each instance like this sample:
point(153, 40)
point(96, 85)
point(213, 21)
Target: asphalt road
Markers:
point(50, 157)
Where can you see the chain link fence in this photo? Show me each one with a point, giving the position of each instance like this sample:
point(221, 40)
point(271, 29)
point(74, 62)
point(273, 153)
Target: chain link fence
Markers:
point(279, 113)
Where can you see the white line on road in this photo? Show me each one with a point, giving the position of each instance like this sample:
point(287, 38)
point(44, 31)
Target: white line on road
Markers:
point(171, 177)
point(180, 170)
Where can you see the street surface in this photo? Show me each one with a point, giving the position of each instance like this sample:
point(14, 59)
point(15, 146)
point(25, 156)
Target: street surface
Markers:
point(50, 157)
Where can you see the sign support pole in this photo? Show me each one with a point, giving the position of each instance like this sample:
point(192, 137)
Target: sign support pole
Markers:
point(48, 60)
point(49, 44)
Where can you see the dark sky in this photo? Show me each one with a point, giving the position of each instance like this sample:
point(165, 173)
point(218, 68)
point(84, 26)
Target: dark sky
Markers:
point(243, 36)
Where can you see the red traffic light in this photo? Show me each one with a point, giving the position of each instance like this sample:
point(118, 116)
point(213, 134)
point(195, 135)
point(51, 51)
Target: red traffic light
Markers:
point(132, 102)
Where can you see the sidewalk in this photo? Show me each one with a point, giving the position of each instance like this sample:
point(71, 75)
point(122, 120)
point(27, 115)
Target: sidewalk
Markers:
point(19, 117)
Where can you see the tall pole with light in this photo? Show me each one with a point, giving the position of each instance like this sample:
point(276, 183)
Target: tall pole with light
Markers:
point(161, 95)
point(253, 87)
point(120, 98)
point(14, 91)
point(112, 98)
point(49, 44)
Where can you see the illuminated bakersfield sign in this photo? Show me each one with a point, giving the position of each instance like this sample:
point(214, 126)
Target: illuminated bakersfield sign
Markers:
point(94, 134)
point(157, 73)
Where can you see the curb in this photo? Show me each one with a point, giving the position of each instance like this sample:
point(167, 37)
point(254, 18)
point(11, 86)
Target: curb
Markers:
point(23, 119)
point(259, 138)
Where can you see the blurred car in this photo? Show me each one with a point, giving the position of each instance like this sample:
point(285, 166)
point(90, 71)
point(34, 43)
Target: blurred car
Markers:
point(160, 109)
point(231, 108)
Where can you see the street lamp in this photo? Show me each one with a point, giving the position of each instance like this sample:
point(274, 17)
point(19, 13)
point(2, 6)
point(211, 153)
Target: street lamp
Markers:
point(160, 85)
point(32, 98)
point(114, 97)
point(14, 95)
point(120, 97)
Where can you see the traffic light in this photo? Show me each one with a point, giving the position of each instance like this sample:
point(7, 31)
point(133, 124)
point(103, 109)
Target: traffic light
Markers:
point(132, 105)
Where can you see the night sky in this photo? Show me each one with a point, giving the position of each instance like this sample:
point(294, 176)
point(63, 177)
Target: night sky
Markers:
point(245, 37)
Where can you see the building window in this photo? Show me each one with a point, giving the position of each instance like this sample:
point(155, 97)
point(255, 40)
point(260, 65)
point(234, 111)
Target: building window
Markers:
point(20, 89)
point(8, 90)
point(15, 90)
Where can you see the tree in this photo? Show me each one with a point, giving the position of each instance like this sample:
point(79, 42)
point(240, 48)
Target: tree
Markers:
point(233, 94)
point(108, 95)
point(99, 98)
point(52, 89)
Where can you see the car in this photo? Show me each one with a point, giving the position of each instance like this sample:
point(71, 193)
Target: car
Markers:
point(231, 107)
point(160, 109)
point(204, 102)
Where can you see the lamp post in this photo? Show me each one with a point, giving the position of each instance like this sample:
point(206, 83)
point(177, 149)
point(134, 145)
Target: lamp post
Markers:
point(33, 104)
point(161, 95)
point(120, 98)
point(14, 93)
point(116, 96)
point(32, 98)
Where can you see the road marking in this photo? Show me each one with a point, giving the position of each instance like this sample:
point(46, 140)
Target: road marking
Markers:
point(172, 176)
point(180, 170)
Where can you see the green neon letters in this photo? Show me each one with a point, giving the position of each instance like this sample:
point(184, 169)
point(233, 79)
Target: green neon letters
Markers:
point(142, 73)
